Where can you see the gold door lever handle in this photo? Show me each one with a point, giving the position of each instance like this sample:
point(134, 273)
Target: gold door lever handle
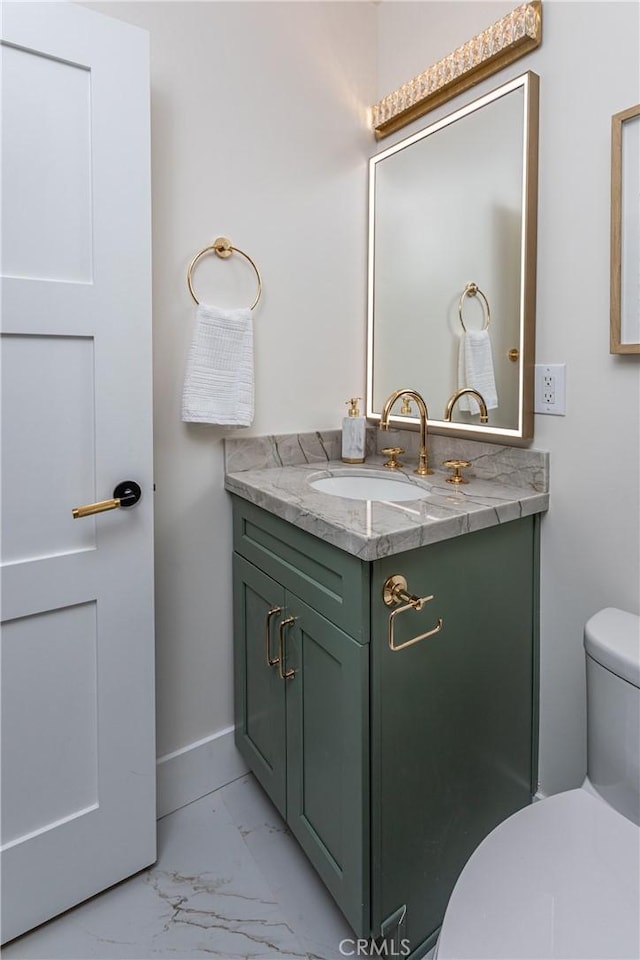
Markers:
point(90, 508)
point(126, 494)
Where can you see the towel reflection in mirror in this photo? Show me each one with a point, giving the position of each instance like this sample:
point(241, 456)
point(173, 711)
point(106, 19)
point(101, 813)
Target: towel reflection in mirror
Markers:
point(475, 359)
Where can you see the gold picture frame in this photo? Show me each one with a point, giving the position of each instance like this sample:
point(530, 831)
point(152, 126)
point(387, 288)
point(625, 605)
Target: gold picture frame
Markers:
point(625, 231)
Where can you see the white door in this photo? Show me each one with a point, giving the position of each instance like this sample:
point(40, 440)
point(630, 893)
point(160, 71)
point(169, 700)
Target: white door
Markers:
point(78, 758)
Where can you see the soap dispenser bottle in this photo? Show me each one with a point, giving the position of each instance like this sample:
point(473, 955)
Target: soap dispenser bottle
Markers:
point(354, 434)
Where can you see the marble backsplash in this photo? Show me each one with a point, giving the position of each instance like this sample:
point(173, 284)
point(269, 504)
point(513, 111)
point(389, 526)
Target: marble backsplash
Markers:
point(515, 466)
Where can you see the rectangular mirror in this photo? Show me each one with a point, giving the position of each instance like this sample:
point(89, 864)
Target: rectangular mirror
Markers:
point(452, 262)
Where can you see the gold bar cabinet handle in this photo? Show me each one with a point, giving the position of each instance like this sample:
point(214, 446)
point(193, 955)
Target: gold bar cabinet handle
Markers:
point(285, 674)
point(90, 508)
point(271, 661)
point(125, 494)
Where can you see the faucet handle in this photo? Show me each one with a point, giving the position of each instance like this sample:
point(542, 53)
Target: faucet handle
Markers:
point(393, 453)
point(457, 466)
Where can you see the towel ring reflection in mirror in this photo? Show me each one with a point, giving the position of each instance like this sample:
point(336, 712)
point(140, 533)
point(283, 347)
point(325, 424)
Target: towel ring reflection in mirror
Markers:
point(223, 248)
point(473, 290)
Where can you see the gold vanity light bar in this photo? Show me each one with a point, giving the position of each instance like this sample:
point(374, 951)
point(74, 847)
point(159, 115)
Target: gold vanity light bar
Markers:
point(509, 38)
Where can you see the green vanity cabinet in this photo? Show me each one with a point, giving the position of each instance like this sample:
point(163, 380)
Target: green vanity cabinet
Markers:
point(259, 699)
point(389, 766)
point(453, 717)
point(301, 700)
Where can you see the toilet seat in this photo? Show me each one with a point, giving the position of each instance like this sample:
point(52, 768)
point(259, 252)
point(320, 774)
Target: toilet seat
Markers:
point(559, 879)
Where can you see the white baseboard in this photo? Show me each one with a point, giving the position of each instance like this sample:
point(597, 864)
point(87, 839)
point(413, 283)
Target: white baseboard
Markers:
point(197, 769)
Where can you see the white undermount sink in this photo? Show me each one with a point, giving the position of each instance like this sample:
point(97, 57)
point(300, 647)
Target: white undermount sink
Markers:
point(363, 487)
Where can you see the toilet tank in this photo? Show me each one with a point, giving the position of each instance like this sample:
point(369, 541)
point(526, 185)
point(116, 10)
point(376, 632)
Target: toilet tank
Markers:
point(612, 645)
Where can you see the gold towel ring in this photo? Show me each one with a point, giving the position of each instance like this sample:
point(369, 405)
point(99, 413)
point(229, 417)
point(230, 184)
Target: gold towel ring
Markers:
point(222, 247)
point(472, 290)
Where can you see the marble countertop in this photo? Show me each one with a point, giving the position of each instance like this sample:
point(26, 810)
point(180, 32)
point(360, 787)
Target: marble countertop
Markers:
point(374, 529)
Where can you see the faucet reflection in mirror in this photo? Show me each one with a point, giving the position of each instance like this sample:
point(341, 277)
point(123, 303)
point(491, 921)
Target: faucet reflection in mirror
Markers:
point(466, 391)
point(423, 465)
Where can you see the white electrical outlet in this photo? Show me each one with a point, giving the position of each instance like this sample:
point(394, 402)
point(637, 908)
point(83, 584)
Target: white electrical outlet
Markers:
point(550, 389)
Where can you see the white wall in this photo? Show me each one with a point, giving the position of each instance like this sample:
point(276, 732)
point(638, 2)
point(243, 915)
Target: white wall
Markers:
point(258, 133)
point(588, 68)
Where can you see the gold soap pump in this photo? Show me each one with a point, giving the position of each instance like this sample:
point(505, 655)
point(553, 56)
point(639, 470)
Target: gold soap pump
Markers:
point(354, 433)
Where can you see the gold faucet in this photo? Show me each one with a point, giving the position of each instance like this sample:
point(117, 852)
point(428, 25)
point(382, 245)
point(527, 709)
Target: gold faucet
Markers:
point(423, 466)
point(453, 399)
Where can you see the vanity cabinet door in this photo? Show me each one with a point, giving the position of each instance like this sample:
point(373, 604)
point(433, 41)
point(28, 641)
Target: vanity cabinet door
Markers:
point(328, 756)
point(454, 716)
point(259, 604)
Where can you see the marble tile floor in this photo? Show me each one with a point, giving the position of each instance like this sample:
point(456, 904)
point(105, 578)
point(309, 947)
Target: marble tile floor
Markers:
point(230, 882)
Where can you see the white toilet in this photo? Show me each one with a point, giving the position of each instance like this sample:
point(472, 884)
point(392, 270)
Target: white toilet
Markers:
point(561, 878)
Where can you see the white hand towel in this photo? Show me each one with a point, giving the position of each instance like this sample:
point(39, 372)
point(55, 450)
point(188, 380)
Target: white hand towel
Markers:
point(218, 384)
point(475, 369)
